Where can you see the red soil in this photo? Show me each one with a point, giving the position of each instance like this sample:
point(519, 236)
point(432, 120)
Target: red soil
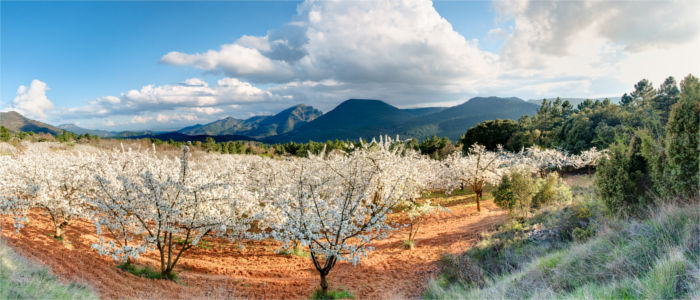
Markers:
point(225, 271)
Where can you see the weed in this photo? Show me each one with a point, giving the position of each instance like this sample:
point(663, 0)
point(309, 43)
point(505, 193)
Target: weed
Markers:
point(332, 294)
point(146, 272)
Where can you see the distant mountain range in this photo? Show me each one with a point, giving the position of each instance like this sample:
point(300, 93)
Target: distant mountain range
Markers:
point(359, 118)
point(352, 119)
point(258, 126)
point(79, 130)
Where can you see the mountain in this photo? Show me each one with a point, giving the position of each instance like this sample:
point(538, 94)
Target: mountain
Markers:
point(423, 110)
point(456, 120)
point(352, 119)
point(258, 126)
point(79, 130)
point(14, 121)
point(358, 118)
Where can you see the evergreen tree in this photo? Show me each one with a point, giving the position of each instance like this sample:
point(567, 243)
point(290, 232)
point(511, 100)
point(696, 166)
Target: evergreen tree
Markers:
point(666, 96)
point(682, 146)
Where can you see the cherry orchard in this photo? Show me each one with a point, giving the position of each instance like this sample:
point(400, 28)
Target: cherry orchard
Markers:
point(334, 204)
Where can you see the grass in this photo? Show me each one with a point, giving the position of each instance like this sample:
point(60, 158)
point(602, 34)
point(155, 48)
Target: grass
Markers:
point(332, 294)
point(296, 251)
point(21, 279)
point(655, 257)
point(146, 272)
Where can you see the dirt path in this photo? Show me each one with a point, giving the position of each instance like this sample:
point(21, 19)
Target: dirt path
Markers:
point(222, 270)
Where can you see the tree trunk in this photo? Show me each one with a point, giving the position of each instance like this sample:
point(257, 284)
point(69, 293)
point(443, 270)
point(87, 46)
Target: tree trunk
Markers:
point(324, 283)
point(478, 203)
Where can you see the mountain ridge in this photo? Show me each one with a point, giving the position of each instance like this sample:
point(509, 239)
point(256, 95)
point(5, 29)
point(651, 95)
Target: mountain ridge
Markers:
point(257, 126)
point(15, 122)
point(352, 119)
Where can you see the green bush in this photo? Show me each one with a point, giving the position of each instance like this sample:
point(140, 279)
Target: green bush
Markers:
point(462, 269)
point(622, 179)
point(503, 196)
point(549, 190)
point(520, 193)
point(515, 193)
point(581, 235)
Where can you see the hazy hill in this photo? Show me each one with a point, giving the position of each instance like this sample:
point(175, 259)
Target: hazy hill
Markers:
point(258, 126)
point(14, 121)
point(79, 130)
point(456, 120)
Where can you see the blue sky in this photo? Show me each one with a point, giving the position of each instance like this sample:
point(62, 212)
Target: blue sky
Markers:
point(164, 65)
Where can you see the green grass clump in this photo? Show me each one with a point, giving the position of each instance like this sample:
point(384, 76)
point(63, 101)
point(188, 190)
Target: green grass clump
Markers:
point(332, 294)
point(146, 272)
point(21, 279)
point(296, 251)
point(652, 258)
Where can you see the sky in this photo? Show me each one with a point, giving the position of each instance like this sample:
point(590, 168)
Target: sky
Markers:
point(159, 65)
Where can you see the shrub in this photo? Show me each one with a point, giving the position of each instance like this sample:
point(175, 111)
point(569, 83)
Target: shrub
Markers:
point(515, 193)
point(581, 235)
point(462, 269)
point(503, 196)
point(550, 189)
point(621, 178)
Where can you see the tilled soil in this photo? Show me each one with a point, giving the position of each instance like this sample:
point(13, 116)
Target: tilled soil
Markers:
point(218, 269)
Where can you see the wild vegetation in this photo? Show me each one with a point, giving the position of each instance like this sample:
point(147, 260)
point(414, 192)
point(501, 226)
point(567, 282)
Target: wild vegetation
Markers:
point(631, 232)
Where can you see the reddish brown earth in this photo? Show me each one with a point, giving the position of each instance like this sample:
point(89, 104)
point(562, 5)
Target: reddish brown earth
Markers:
point(222, 270)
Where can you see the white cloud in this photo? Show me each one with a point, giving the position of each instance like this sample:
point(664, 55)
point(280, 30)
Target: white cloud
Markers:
point(207, 110)
point(161, 118)
point(591, 38)
point(32, 101)
point(365, 47)
point(140, 119)
point(194, 94)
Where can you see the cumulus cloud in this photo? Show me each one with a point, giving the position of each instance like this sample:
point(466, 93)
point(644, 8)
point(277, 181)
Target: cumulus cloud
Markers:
point(372, 46)
point(192, 94)
point(545, 29)
point(140, 119)
point(32, 101)
point(161, 118)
